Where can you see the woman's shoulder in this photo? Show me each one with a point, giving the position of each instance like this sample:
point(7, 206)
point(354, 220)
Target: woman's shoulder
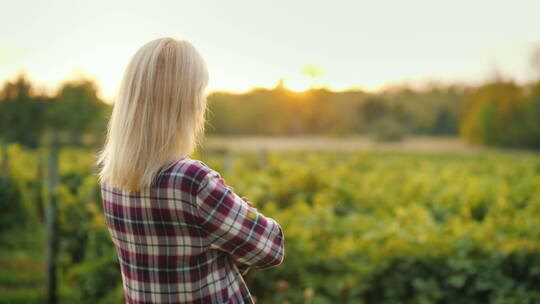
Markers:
point(193, 169)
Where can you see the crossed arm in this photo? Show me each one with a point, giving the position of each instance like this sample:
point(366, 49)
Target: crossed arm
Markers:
point(233, 225)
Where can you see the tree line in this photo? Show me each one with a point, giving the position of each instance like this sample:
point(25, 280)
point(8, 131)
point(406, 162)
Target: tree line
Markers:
point(497, 113)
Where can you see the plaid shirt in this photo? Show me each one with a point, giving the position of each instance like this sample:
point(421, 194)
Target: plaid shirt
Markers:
point(189, 238)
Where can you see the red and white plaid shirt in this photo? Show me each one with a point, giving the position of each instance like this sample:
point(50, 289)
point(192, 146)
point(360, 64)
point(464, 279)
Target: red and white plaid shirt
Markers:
point(189, 238)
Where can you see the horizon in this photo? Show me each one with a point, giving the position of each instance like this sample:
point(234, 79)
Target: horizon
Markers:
point(50, 91)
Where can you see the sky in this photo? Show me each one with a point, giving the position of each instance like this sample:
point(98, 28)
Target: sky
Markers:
point(350, 44)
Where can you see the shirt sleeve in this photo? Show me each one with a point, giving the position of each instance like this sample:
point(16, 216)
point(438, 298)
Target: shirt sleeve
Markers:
point(243, 268)
point(230, 224)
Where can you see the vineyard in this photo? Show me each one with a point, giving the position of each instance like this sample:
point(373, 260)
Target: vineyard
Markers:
point(360, 227)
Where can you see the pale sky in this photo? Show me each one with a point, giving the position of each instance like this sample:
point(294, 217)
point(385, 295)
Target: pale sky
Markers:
point(363, 44)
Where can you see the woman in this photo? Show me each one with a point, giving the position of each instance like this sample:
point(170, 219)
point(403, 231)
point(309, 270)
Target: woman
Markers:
point(180, 232)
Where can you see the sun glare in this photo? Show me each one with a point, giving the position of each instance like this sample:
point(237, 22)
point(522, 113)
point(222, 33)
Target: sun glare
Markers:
point(298, 83)
point(309, 76)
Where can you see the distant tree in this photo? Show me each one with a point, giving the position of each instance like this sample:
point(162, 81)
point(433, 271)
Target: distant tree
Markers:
point(373, 109)
point(501, 113)
point(21, 121)
point(319, 112)
point(21, 116)
point(532, 119)
point(76, 111)
point(494, 114)
point(533, 106)
point(445, 122)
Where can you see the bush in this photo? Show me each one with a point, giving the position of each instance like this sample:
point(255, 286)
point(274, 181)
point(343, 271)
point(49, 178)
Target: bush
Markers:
point(13, 214)
point(22, 296)
point(468, 278)
point(388, 130)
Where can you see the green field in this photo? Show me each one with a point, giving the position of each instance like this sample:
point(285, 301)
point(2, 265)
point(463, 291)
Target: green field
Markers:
point(360, 227)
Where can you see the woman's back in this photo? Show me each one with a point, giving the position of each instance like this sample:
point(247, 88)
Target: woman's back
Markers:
point(180, 240)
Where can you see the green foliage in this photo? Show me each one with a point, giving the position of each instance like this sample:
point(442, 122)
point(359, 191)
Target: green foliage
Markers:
point(464, 275)
point(74, 114)
point(499, 113)
point(77, 111)
point(319, 111)
point(21, 113)
point(359, 227)
point(21, 266)
point(502, 114)
point(388, 130)
point(22, 296)
point(422, 228)
point(13, 213)
point(532, 114)
point(94, 280)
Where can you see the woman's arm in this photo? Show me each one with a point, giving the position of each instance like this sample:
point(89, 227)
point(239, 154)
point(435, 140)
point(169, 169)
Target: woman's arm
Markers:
point(243, 268)
point(235, 227)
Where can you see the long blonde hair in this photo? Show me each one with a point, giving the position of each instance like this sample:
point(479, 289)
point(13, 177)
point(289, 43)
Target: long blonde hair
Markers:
point(159, 114)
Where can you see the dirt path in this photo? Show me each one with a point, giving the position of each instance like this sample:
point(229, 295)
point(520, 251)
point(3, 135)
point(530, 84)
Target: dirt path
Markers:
point(356, 143)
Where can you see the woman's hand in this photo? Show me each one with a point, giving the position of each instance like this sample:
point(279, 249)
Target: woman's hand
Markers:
point(243, 268)
point(247, 201)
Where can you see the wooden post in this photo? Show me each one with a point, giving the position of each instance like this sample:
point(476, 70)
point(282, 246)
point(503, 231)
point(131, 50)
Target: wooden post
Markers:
point(39, 184)
point(51, 226)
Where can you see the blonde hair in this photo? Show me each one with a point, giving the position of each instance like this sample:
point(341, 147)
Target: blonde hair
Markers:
point(158, 116)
